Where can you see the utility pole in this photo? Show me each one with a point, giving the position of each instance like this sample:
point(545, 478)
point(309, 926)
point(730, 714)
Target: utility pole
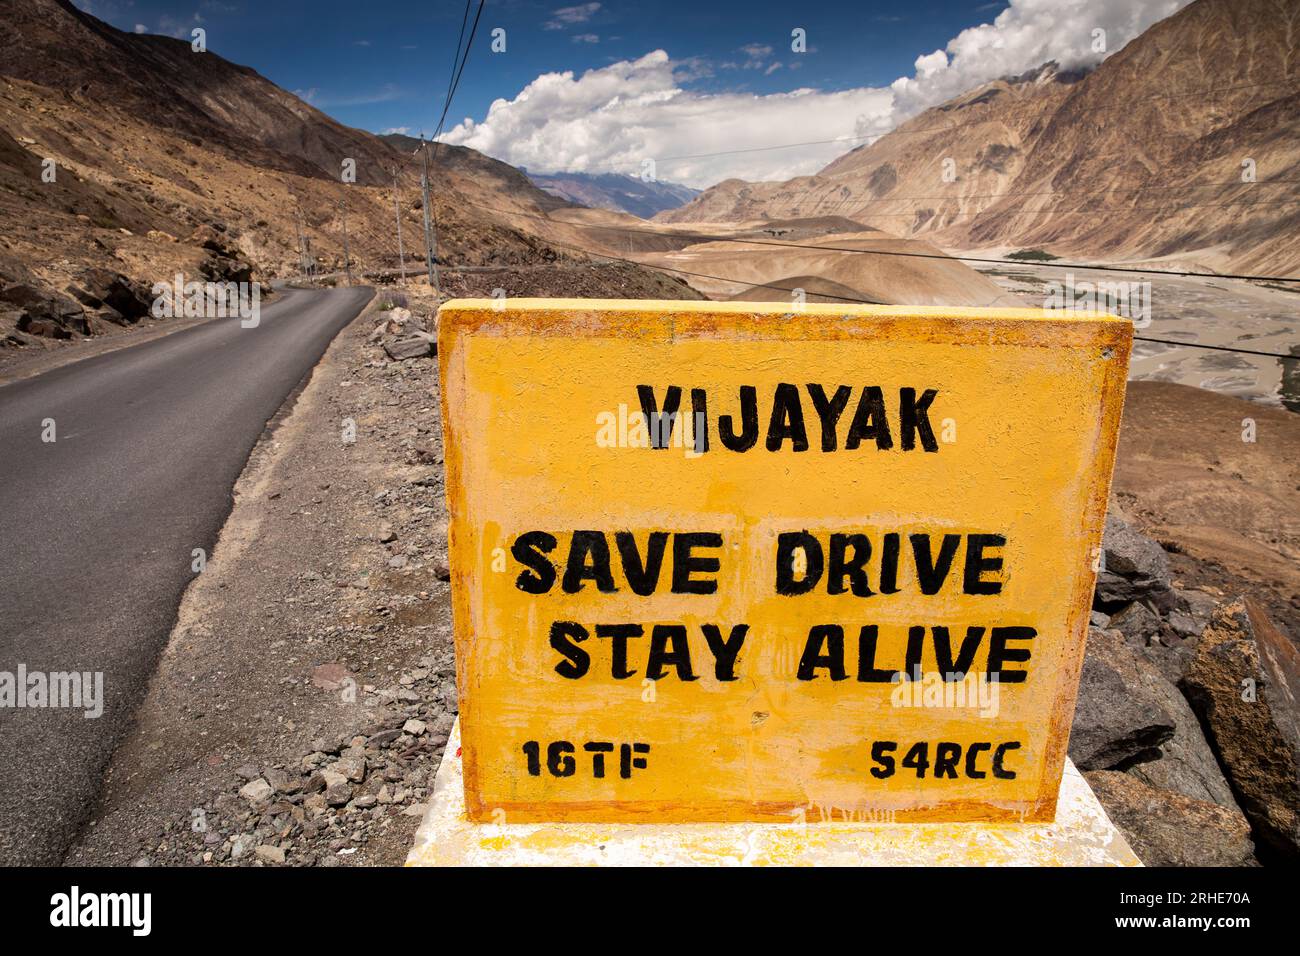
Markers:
point(397, 211)
point(347, 259)
point(430, 247)
point(302, 248)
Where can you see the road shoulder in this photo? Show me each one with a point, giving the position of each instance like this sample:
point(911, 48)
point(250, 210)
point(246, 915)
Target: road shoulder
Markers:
point(300, 709)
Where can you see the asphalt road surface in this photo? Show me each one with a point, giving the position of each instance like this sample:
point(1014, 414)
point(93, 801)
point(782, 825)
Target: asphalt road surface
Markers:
point(98, 529)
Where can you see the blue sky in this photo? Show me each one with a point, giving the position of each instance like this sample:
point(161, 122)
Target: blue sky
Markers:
point(384, 64)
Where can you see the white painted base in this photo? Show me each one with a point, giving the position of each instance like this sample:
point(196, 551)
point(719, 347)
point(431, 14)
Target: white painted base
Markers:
point(1082, 835)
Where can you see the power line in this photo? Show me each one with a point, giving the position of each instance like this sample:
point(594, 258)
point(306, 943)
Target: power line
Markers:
point(430, 215)
point(860, 301)
point(1054, 264)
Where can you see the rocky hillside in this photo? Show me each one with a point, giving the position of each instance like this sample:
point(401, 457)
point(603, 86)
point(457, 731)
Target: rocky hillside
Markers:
point(1139, 159)
point(135, 156)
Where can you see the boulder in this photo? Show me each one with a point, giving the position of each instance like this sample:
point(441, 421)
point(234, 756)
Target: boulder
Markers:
point(213, 241)
point(1243, 683)
point(1170, 829)
point(44, 313)
point(225, 269)
point(1118, 716)
point(1138, 623)
point(415, 346)
point(101, 288)
point(1134, 567)
point(1186, 763)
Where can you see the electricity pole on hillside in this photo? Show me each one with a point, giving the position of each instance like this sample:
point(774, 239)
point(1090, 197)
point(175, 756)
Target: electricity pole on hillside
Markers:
point(397, 211)
point(430, 247)
point(347, 259)
point(302, 248)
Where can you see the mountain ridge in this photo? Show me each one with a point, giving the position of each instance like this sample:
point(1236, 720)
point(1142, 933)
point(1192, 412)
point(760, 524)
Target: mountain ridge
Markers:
point(1109, 165)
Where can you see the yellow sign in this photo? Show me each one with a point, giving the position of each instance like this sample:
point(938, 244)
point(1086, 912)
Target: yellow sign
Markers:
point(729, 562)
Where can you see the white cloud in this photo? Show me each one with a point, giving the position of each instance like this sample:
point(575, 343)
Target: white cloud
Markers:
point(141, 28)
point(569, 16)
point(586, 38)
point(756, 54)
point(403, 130)
point(611, 119)
point(1027, 34)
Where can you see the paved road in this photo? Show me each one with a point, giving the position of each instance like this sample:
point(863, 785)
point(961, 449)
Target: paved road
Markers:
point(97, 529)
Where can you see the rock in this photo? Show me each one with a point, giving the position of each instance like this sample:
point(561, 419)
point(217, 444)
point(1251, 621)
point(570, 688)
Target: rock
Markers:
point(1199, 605)
point(415, 346)
point(13, 337)
point(213, 241)
point(242, 845)
point(426, 455)
point(270, 854)
point(352, 766)
point(256, 791)
point(1134, 566)
point(383, 738)
point(1099, 619)
point(331, 777)
point(1186, 764)
point(283, 782)
point(1137, 623)
point(1183, 624)
point(223, 269)
point(1169, 829)
point(132, 301)
point(315, 804)
point(47, 314)
point(441, 569)
point(1118, 716)
point(329, 677)
point(1243, 684)
point(365, 802)
point(338, 795)
point(387, 534)
point(247, 771)
point(414, 727)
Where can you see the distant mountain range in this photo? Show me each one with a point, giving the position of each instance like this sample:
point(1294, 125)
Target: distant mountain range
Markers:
point(615, 192)
point(610, 191)
point(1149, 155)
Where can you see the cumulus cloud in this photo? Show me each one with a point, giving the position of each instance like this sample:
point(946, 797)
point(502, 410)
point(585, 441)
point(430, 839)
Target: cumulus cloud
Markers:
point(1074, 33)
point(614, 118)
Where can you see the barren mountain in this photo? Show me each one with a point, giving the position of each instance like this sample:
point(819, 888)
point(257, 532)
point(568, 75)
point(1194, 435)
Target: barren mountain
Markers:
point(1142, 158)
point(136, 156)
